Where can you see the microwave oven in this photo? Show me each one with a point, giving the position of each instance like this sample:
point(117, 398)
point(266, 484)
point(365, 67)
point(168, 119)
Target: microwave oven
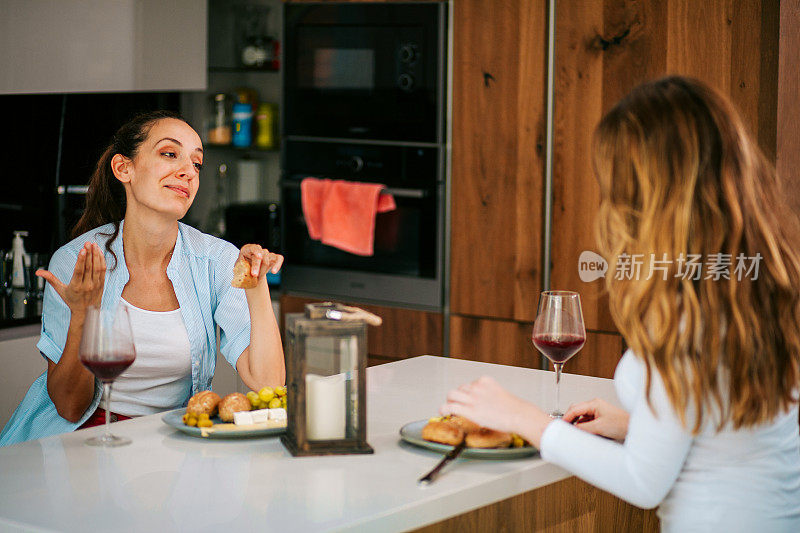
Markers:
point(365, 71)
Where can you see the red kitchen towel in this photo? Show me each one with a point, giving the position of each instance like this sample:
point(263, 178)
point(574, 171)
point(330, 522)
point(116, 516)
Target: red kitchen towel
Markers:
point(342, 213)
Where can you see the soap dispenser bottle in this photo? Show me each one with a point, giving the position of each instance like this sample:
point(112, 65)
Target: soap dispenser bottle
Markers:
point(20, 260)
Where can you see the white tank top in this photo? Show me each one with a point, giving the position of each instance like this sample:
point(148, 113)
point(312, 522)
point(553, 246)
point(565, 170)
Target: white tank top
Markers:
point(160, 378)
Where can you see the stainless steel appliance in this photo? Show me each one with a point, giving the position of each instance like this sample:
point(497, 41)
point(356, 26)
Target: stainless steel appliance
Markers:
point(364, 93)
point(407, 265)
point(365, 71)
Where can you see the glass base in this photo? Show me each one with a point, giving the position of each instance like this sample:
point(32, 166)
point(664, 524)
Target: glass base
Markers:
point(109, 441)
point(556, 414)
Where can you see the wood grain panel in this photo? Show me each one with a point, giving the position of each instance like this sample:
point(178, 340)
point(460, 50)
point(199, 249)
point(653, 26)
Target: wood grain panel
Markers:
point(699, 40)
point(788, 158)
point(404, 332)
point(497, 157)
point(603, 50)
point(507, 342)
point(599, 356)
point(503, 342)
point(578, 87)
point(570, 505)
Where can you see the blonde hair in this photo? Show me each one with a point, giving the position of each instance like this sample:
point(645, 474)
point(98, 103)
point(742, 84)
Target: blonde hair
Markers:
point(680, 175)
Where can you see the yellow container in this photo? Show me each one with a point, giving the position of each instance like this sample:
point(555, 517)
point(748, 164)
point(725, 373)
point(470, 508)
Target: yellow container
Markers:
point(265, 126)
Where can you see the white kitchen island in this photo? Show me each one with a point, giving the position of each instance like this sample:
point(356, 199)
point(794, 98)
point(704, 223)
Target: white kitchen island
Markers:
point(169, 481)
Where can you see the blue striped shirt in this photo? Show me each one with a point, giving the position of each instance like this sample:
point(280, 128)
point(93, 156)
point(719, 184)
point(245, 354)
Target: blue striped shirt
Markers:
point(201, 270)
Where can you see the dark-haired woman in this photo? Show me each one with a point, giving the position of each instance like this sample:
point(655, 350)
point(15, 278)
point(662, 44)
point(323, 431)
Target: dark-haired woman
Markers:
point(175, 281)
point(710, 383)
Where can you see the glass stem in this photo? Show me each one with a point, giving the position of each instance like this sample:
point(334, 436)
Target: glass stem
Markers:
point(558, 367)
point(106, 402)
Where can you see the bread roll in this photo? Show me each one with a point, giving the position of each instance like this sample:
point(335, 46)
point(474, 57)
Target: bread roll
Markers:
point(232, 403)
point(442, 432)
point(204, 402)
point(488, 438)
point(464, 423)
point(242, 278)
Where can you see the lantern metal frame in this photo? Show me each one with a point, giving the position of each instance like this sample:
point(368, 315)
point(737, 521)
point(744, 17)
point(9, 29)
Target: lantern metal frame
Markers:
point(300, 327)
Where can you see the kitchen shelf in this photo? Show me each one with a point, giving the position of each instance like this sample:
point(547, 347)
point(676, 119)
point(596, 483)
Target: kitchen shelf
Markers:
point(243, 69)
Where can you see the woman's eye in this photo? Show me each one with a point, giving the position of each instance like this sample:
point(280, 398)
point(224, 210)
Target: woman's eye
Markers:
point(198, 166)
point(168, 154)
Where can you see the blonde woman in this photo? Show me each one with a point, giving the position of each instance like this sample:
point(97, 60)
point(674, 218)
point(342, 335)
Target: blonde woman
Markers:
point(710, 382)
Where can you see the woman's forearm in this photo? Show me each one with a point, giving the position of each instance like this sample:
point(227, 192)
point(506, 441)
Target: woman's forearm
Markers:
point(262, 362)
point(69, 384)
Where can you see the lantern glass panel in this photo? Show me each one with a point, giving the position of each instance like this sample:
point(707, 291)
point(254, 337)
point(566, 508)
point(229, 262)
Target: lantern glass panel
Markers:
point(331, 387)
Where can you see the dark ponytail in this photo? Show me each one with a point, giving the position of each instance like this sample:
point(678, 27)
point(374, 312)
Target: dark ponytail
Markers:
point(105, 200)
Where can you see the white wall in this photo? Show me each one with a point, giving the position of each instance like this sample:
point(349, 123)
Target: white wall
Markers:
point(58, 46)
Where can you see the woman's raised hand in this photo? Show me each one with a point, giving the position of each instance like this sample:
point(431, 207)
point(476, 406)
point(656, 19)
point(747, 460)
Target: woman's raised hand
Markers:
point(599, 417)
point(261, 260)
point(88, 278)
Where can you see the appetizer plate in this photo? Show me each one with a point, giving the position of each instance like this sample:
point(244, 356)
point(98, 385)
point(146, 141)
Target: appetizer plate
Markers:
point(175, 419)
point(412, 433)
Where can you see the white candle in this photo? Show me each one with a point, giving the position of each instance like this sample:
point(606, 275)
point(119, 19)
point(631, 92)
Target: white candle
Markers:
point(325, 409)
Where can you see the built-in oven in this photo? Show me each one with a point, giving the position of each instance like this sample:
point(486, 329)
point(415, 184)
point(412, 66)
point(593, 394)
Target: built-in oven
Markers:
point(365, 71)
point(406, 267)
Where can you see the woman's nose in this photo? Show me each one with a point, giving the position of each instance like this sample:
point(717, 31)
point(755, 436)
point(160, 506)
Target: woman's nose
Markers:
point(188, 170)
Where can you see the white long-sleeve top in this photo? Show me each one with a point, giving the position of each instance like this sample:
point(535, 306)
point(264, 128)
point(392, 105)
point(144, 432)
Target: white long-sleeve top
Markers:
point(743, 480)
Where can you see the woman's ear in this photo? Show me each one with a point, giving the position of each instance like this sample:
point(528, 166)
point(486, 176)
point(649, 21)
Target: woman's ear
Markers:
point(122, 168)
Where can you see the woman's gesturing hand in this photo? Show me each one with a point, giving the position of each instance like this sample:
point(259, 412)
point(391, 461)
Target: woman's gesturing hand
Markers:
point(261, 260)
point(88, 278)
point(599, 417)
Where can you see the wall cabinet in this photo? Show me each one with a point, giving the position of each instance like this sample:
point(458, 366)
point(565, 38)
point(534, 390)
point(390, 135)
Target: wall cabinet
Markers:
point(404, 332)
point(50, 46)
point(602, 50)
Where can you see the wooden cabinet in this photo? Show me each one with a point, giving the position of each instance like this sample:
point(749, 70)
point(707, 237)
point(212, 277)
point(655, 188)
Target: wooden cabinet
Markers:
point(404, 332)
point(497, 158)
point(509, 343)
point(602, 50)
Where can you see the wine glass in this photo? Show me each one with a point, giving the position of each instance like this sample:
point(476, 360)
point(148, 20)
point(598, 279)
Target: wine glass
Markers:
point(558, 331)
point(107, 350)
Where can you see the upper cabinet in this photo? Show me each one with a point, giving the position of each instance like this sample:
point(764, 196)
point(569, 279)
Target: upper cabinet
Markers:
point(51, 46)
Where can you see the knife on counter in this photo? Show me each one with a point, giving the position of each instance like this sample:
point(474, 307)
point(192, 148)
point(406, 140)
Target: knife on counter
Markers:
point(431, 476)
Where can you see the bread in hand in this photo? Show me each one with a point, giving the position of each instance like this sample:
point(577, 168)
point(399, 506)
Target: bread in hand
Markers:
point(242, 278)
point(204, 402)
point(232, 403)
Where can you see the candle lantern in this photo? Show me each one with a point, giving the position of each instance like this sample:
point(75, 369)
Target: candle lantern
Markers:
point(326, 362)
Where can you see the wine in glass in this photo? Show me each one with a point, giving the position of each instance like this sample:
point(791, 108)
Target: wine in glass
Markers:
point(558, 331)
point(107, 350)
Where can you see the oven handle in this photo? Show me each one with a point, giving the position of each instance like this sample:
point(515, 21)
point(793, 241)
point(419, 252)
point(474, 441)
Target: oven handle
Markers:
point(400, 193)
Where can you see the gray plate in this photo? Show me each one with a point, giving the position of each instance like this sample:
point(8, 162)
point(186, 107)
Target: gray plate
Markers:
point(175, 419)
point(412, 433)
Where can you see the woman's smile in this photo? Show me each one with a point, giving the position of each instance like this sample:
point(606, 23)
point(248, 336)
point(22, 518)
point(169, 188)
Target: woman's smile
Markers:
point(179, 190)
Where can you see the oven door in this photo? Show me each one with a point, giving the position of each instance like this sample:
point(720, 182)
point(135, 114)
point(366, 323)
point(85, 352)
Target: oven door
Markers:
point(364, 71)
point(406, 265)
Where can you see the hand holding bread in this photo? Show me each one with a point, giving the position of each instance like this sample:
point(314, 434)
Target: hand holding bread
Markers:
point(253, 264)
point(488, 404)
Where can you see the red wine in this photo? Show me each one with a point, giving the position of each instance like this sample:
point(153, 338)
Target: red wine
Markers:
point(558, 348)
point(108, 369)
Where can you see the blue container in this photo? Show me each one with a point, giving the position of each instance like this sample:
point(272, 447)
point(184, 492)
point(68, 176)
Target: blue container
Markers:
point(242, 125)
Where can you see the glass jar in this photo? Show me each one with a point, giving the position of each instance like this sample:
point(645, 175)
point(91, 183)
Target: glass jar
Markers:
point(219, 119)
